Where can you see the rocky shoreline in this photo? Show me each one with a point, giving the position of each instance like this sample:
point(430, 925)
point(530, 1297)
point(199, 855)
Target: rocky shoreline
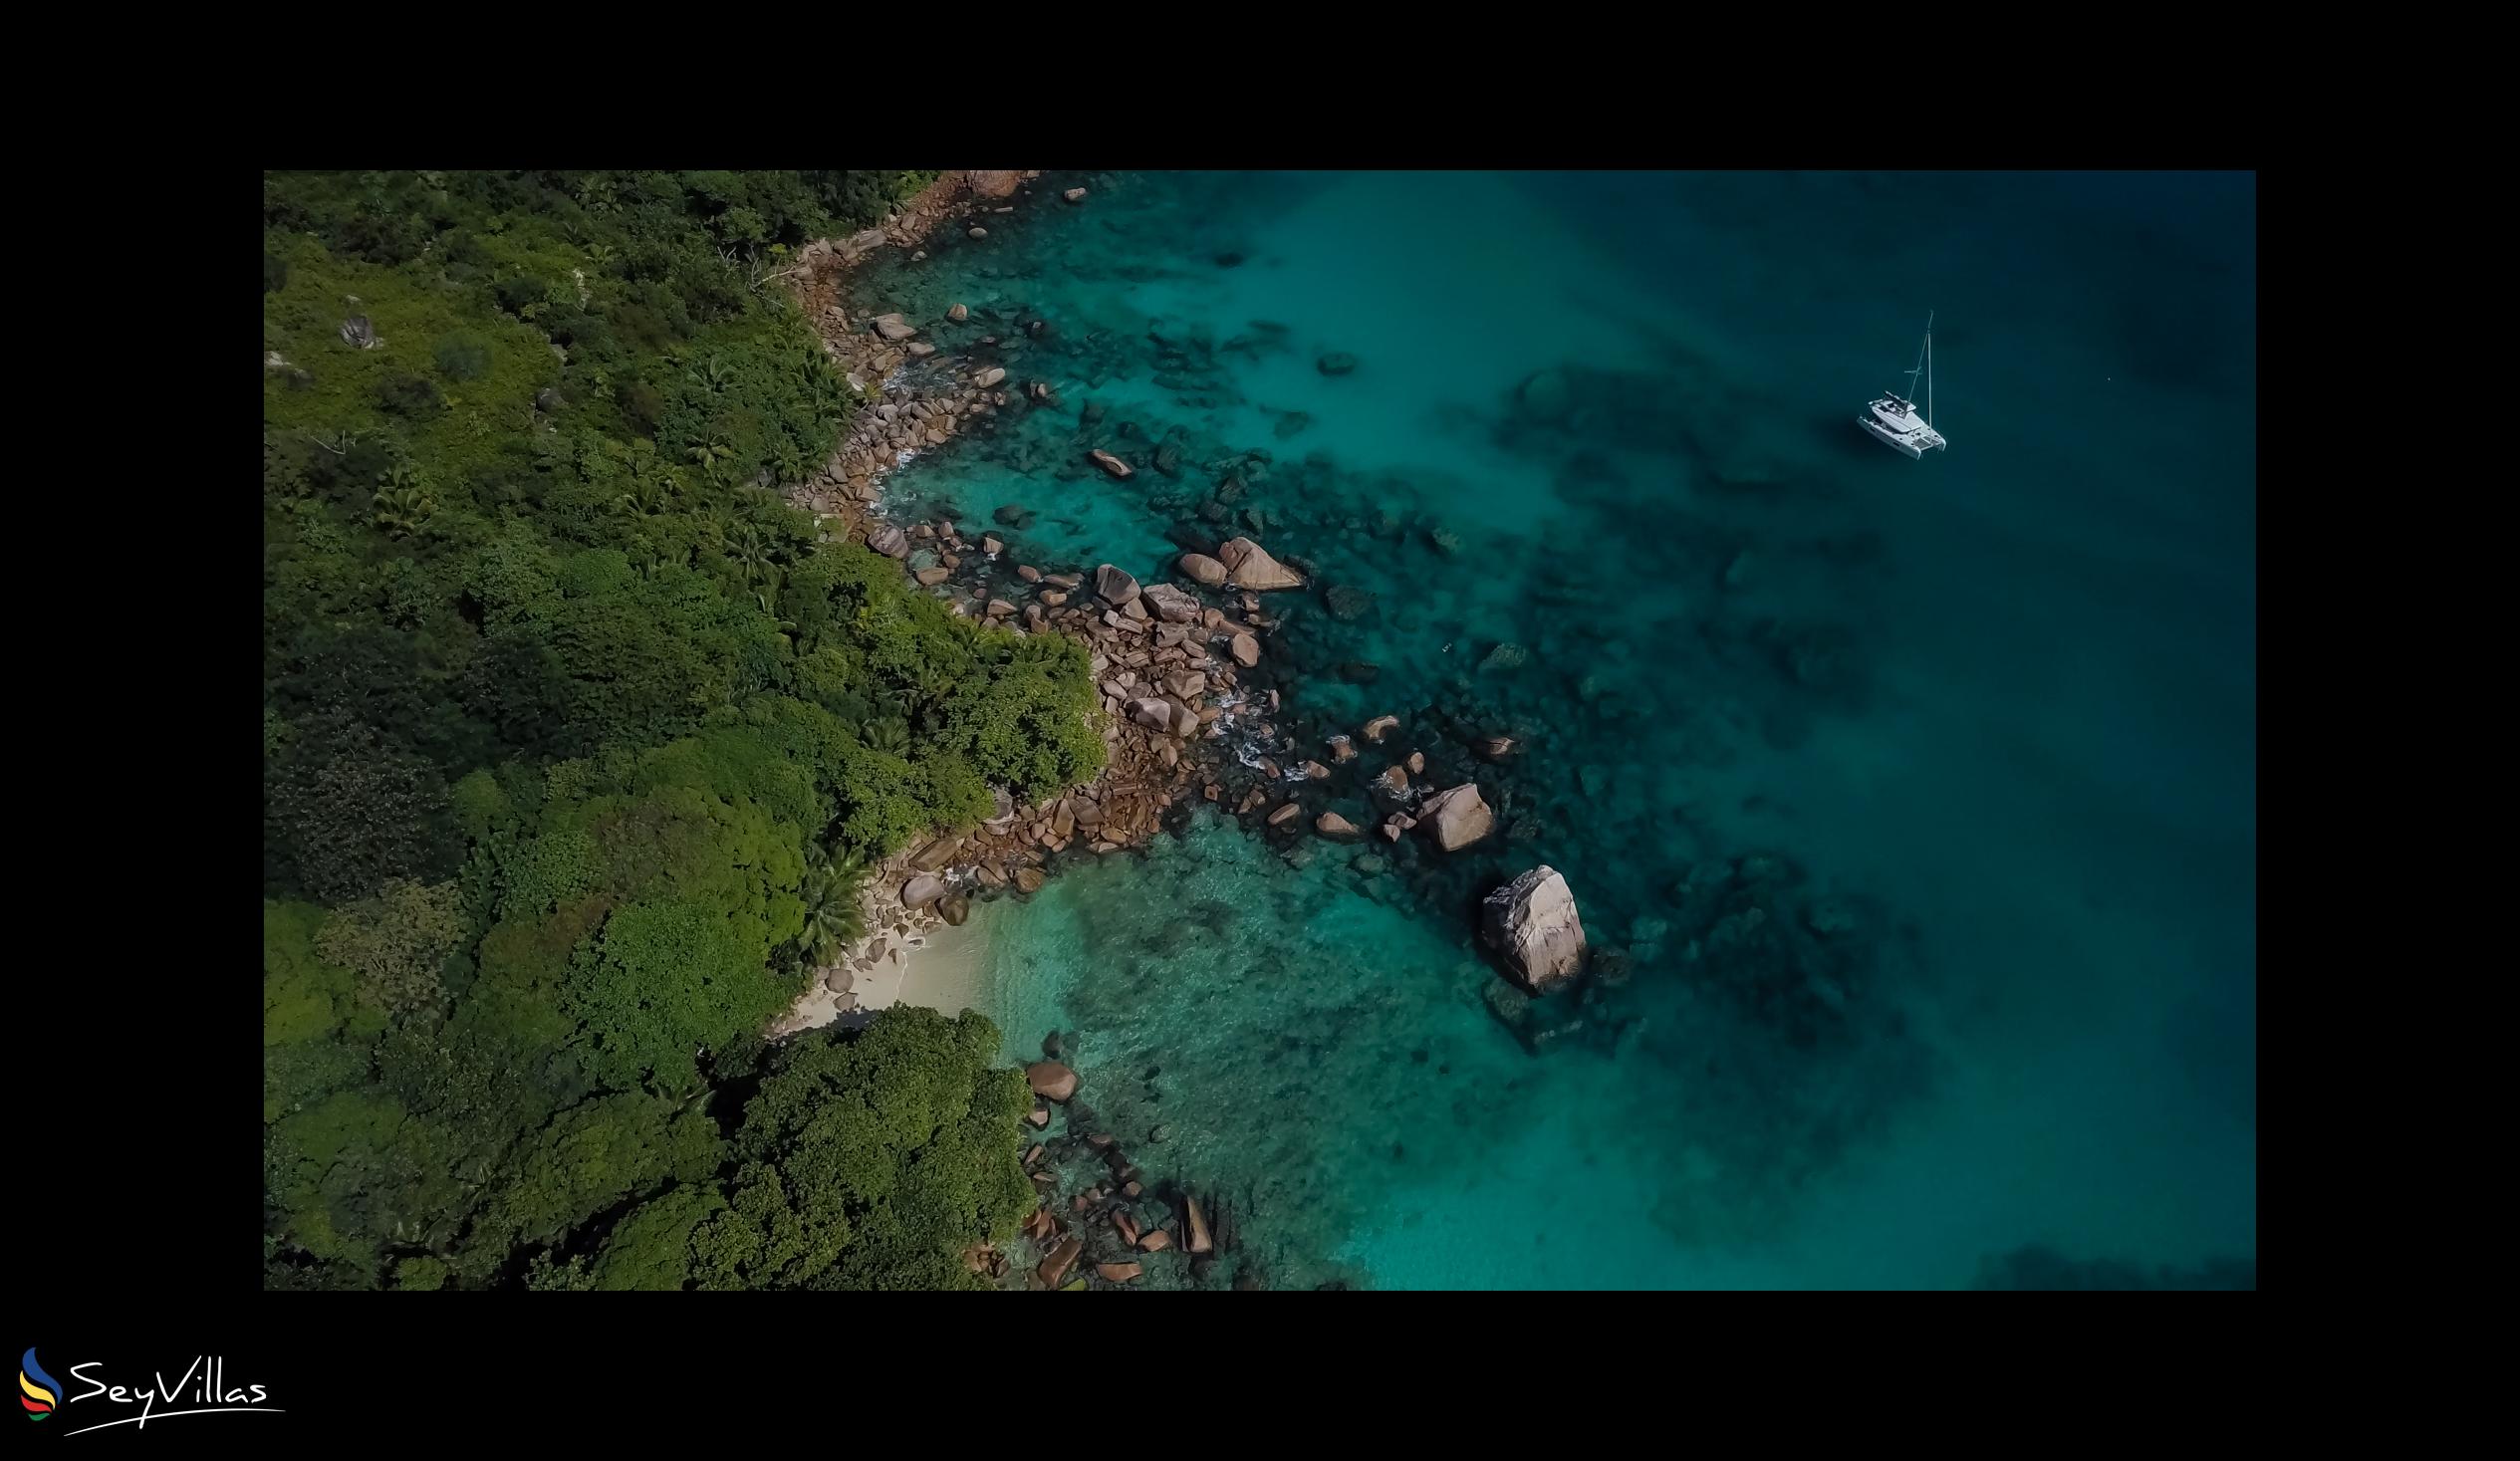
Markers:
point(1101, 1224)
point(1181, 662)
point(917, 399)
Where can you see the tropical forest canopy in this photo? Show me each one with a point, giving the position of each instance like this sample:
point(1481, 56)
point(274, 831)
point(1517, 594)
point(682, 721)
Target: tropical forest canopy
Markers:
point(576, 742)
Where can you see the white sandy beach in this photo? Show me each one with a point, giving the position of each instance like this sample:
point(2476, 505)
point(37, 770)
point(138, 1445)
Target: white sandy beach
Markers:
point(938, 967)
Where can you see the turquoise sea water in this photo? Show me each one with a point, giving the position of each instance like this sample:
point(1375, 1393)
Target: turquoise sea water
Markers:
point(1918, 797)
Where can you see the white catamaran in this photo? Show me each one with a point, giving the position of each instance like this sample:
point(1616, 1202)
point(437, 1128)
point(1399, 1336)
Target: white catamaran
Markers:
point(1893, 418)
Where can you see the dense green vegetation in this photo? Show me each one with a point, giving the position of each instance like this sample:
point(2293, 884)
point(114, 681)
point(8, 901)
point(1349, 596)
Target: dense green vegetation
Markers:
point(575, 740)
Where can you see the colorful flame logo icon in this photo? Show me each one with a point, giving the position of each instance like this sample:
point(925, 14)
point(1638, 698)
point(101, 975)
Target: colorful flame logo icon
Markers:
point(41, 1390)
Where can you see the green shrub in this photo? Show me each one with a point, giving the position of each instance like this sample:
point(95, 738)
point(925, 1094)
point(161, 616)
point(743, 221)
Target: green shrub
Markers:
point(462, 357)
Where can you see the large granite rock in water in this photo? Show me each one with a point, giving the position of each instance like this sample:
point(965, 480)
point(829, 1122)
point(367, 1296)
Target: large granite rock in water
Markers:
point(1249, 566)
point(1203, 569)
point(1532, 922)
point(893, 326)
point(925, 889)
point(1456, 816)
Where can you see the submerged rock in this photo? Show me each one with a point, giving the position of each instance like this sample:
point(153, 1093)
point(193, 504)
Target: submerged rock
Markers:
point(1348, 603)
point(1829, 918)
point(1544, 395)
point(1505, 656)
point(1536, 1027)
point(1337, 363)
point(1532, 922)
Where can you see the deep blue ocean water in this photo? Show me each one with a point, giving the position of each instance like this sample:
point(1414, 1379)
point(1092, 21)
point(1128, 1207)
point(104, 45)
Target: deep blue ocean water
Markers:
point(1920, 796)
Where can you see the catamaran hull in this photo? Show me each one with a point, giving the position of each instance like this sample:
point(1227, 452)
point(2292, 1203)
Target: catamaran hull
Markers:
point(1890, 439)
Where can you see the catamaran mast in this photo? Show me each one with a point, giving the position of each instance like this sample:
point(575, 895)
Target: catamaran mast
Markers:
point(1928, 368)
point(1920, 366)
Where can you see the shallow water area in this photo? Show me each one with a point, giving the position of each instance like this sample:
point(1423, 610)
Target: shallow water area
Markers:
point(1912, 801)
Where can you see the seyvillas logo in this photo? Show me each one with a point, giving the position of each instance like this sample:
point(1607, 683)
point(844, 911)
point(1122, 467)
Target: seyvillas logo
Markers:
point(204, 1382)
point(39, 1391)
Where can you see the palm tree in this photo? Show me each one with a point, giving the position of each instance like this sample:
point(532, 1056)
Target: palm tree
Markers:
point(833, 918)
point(712, 456)
point(647, 498)
point(922, 692)
point(753, 552)
point(404, 511)
point(716, 374)
point(715, 526)
point(769, 601)
point(890, 734)
point(788, 461)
